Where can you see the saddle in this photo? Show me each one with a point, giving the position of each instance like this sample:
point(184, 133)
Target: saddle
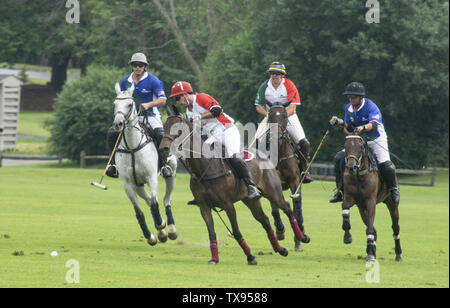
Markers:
point(218, 168)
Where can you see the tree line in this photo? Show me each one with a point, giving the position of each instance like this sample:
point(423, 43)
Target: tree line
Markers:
point(224, 48)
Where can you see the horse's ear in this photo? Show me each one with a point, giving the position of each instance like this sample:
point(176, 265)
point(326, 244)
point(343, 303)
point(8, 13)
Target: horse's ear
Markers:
point(268, 103)
point(117, 88)
point(286, 104)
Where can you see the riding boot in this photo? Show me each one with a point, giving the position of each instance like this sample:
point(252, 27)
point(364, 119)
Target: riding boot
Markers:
point(242, 171)
point(111, 138)
point(387, 170)
point(166, 170)
point(304, 146)
point(339, 195)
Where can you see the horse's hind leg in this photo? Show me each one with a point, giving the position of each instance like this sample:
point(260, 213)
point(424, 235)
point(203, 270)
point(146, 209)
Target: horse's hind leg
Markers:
point(170, 185)
point(154, 209)
point(151, 239)
point(393, 210)
point(258, 213)
point(231, 213)
point(276, 198)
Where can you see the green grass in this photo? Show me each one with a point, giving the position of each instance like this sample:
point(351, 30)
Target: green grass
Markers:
point(31, 123)
point(44, 208)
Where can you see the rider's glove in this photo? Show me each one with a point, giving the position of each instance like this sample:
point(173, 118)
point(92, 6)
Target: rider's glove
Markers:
point(335, 120)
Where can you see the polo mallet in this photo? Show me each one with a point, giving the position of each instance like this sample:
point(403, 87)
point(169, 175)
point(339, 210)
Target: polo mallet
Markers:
point(99, 184)
point(296, 194)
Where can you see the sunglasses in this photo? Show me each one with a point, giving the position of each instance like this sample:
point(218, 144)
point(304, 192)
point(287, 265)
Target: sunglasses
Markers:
point(276, 73)
point(137, 64)
point(352, 96)
point(177, 98)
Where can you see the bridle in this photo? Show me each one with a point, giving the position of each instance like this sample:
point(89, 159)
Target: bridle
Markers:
point(358, 158)
point(125, 115)
point(141, 143)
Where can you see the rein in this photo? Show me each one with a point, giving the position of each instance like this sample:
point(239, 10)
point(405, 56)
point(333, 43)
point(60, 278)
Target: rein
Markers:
point(359, 159)
point(185, 163)
point(141, 145)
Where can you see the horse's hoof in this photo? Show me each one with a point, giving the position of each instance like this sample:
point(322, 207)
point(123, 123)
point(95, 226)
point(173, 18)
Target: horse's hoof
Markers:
point(152, 240)
point(173, 236)
point(299, 247)
point(251, 260)
point(398, 258)
point(172, 232)
point(306, 239)
point(162, 236)
point(213, 262)
point(280, 235)
point(284, 252)
point(370, 258)
point(348, 239)
point(162, 225)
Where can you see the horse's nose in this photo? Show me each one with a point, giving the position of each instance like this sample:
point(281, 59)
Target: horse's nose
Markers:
point(118, 126)
point(352, 169)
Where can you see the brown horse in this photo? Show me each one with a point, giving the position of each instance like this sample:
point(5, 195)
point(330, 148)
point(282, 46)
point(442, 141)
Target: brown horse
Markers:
point(213, 184)
point(363, 187)
point(288, 168)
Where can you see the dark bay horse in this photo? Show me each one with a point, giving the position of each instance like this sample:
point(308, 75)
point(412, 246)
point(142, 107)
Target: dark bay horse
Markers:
point(213, 184)
point(363, 187)
point(288, 168)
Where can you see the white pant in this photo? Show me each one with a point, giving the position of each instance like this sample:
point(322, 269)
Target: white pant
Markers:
point(229, 137)
point(293, 127)
point(153, 121)
point(380, 150)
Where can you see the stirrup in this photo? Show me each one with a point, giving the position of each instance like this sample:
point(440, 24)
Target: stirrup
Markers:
point(112, 171)
point(166, 171)
point(307, 179)
point(338, 196)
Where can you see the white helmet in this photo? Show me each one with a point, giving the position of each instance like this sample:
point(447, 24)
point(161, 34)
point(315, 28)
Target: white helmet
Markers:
point(138, 57)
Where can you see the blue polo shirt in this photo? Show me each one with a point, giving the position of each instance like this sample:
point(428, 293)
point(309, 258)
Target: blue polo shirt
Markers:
point(367, 112)
point(146, 90)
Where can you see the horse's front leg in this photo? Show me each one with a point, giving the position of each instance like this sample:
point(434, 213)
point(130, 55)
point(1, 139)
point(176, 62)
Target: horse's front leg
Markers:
point(131, 193)
point(170, 186)
point(205, 211)
point(346, 205)
point(370, 231)
point(152, 202)
point(231, 213)
point(279, 226)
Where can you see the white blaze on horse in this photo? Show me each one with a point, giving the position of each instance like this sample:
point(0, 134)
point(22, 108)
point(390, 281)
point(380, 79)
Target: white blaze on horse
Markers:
point(137, 163)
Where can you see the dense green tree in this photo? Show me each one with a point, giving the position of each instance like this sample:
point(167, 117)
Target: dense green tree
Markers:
point(402, 60)
point(84, 112)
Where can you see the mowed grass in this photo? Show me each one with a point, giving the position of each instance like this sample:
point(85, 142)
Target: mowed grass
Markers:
point(31, 123)
point(44, 208)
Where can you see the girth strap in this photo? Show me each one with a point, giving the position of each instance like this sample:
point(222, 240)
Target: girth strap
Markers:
point(133, 159)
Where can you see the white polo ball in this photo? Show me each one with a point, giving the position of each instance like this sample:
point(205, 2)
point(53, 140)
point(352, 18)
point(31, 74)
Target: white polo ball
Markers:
point(54, 253)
